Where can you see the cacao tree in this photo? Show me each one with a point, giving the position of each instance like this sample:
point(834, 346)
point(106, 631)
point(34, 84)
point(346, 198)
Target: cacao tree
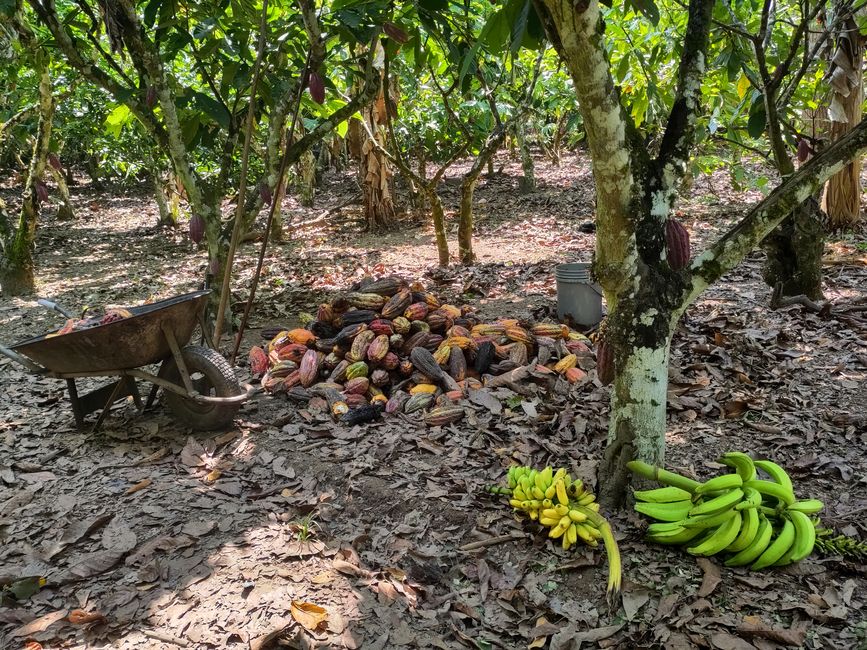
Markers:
point(636, 190)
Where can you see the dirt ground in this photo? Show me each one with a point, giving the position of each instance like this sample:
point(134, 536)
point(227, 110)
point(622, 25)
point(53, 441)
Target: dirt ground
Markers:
point(228, 540)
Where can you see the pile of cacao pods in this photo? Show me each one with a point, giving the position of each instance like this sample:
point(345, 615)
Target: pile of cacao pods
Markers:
point(390, 346)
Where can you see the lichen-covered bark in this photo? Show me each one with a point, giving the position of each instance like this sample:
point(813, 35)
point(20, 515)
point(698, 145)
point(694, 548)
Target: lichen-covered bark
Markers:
point(439, 223)
point(17, 275)
point(527, 182)
point(468, 187)
point(65, 210)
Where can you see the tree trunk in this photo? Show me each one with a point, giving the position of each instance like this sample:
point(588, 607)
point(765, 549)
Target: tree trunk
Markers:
point(794, 253)
point(64, 210)
point(16, 265)
point(168, 215)
point(842, 198)
point(278, 229)
point(465, 221)
point(439, 223)
point(527, 183)
point(375, 171)
point(306, 179)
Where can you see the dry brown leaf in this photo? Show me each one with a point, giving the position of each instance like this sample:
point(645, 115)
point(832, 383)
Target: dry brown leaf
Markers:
point(39, 624)
point(141, 485)
point(711, 577)
point(755, 626)
point(308, 615)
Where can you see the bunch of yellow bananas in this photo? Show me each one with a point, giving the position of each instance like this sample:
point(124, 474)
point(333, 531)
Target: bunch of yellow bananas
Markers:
point(565, 506)
point(759, 522)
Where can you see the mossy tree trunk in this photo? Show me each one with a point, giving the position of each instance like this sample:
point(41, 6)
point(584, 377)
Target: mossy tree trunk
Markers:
point(17, 276)
point(468, 187)
point(527, 182)
point(65, 210)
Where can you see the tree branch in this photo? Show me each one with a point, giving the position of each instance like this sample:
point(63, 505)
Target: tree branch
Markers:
point(731, 248)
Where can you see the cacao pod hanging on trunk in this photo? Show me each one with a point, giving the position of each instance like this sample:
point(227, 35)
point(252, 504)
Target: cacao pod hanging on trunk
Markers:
point(605, 362)
point(197, 228)
point(676, 244)
point(317, 88)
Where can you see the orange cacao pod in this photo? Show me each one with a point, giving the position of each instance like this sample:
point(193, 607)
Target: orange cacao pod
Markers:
point(258, 360)
point(574, 375)
point(292, 352)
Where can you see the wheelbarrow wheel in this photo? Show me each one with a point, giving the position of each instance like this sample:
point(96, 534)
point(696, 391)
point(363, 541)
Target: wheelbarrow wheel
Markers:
point(212, 376)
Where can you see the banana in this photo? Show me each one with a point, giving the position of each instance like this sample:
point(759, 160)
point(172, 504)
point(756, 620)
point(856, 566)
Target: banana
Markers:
point(719, 483)
point(752, 499)
point(562, 497)
point(548, 521)
point(544, 478)
point(662, 475)
point(662, 495)
point(665, 511)
point(577, 516)
point(708, 521)
point(557, 531)
point(583, 531)
point(595, 533)
point(807, 506)
point(550, 492)
point(805, 535)
point(768, 488)
point(777, 473)
point(547, 503)
point(611, 548)
point(726, 501)
point(518, 504)
point(561, 510)
point(719, 538)
point(749, 528)
point(572, 534)
point(586, 498)
point(592, 506)
point(538, 493)
point(576, 488)
point(511, 480)
point(519, 494)
point(782, 542)
point(564, 540)
point(559, 474)
point(757, 547)
point(742, 464)
point(550, 513)
point(663, 527)
point(679, 536)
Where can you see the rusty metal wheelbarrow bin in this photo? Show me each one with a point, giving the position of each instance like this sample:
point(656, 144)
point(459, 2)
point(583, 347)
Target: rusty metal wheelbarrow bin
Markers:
point(200, 388)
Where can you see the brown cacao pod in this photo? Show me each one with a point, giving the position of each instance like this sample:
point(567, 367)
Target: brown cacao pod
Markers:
point(605, 369)
point(151, 97)
point(331, 360)
point(349, 333)
point(273, 384)
point(377, 350)
point(339, 373)
point(325, 313)
point(438, 321)
point(396, 305)
point(265, 193)
point(433, 341)
point(283, 368)
point(355, 401)
point(676, 244)
point(355, 317)
point(197, 228)
point(457, 364)
point(396, 341)
point(405, 368)
point(426, 364)
point(381, 326)
point(458, 330)
point(396, 402)
point(395, 33)
point(416, 340)
point(317, 87)
point(484, 357)
point(386, 286)
point(518, 354)
point(426, 297)
point(309, 367)
point(379, 377)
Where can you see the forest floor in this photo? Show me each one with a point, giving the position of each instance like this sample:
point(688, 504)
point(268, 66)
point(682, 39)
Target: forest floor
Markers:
point(211, 540)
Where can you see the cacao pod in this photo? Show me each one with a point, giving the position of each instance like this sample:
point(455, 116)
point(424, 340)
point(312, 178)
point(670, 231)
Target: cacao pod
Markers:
point(387, 287)
point(396, 341)
point(574, 375)
point(357, 369)
point(416, 311)
point(197, 228)
point(433, 341)
point(419, 326)
point(336, 403)
point(379, 377)
point(484, 357)
point(423, 388)
point(552, 330)
point(443, 415)
point(309, 367)
point(377, 350)
point(451, 311)
point(418, 402)
point(360, 345)
point(356, 386)
point(438, 321)
point(395, 33)
point(804, 150)
point(356, 317)
point(283, 368)
point(292, 379)
point(292, 352)
point(54, 161)
point(327, 346)
point(457, 364)
point(372, 301)
point(355, 401)
point(416, 340)
point(426, 364)
point(331, 360)
point(301, 336)
point(605, 369)
point(401, 325)
point(325, 313)
point(462, 342)
point(518, 354)
point(258, 360)
point(494, 329)
point(426, 297)
point(151, 97)
point(361, 414)
point(565, 363)
point(316, 85)
point(676, 244)
point(396, 402)
point(405, 368)
point(349, 333)
point(214, 266)
point(381, 326)
point(442, 354)
point(273, 384)
point(339, 373)
point(265, 193)
point(397, 304)
point(390, 361)
point(457, 330)
point(520, 335)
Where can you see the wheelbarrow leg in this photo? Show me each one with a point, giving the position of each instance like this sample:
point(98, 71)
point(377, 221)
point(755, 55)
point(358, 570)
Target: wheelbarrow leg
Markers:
point(76, 404)
point(152, 395)
point(111, 398)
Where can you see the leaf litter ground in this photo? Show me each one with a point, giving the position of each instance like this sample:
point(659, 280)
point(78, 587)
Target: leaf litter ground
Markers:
point(291, 531)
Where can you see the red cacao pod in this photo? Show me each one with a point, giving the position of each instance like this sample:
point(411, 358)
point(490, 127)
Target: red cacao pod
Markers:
point(265, 194)
point(197, 228)
point(605, 362)
point(41, 191)
point(395, 33)
point(676, 244)
point(804, 150)
point(317, 88)
point(54, 161)
point(151, 97)
point(258, 360)
point(214, 267)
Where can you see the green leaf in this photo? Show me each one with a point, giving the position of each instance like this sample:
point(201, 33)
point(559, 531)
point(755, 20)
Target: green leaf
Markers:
point(648, 8)
point(115, 120)
point(758, 119)
point(213, 108)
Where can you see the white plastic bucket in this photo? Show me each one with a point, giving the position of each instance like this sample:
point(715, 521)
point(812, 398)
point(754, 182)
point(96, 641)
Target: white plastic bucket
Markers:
point(578, 297)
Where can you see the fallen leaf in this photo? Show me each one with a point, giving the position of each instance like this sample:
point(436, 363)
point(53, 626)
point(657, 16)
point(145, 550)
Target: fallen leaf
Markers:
point(755, 626)
point(118, 537)
point(96, 563)
point(40, 624)
point(634, 600)
point(726, 641)
point(711, 577)
point(308, 615)
point(141, 485)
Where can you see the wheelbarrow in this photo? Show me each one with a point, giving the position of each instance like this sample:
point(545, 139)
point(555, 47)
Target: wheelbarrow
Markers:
point(200, 388)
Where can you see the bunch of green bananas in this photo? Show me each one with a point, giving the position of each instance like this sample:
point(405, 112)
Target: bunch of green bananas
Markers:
point(565, 506)
point(758, 522)
point(827, 543)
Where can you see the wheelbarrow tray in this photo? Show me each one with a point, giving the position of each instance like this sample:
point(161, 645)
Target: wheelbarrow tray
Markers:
point(121, 345)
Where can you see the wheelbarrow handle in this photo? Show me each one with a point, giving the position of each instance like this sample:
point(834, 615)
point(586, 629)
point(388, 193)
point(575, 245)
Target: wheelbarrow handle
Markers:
point(53, 305)
point(27, 363)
